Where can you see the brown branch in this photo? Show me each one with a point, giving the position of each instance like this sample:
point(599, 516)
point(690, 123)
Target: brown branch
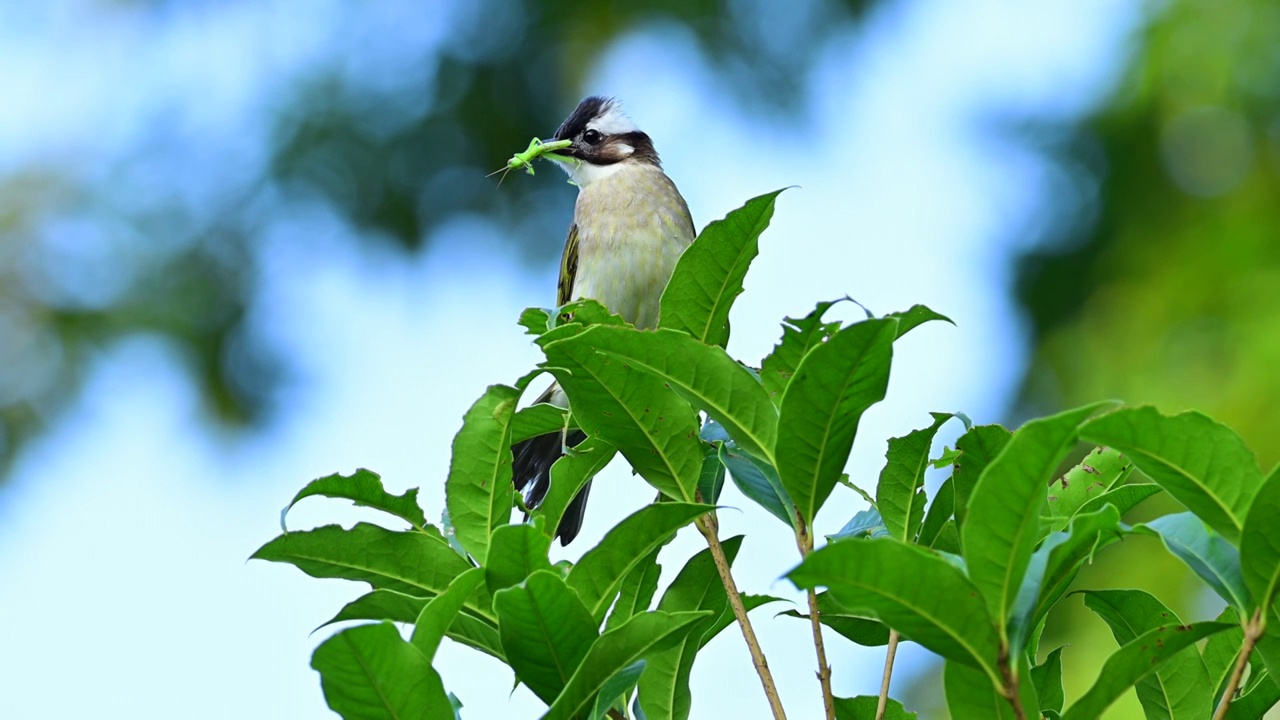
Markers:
point(805, 541)
point(890, 652)
point(710, 529)
point(1010, 689)
point(1252, 632)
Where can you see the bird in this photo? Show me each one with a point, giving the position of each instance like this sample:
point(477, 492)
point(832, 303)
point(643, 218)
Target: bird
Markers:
point(630, 225)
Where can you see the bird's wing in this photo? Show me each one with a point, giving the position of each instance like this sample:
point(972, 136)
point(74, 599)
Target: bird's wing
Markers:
point(568, 267)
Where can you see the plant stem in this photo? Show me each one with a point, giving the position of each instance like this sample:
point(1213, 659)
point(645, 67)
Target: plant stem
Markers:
point(615, 715)
point(1252, 631)
point(710, 529)
point(805, 541)
point(890, 651)
point(1011, 685)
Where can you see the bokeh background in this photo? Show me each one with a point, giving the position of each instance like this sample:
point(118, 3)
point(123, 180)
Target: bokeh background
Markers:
point(245, 244)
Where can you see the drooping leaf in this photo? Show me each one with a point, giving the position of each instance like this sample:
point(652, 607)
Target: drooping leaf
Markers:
point(704, 375)
point(413, 563)
point(939, 512)
point(1180, 689)
point(364, 488)
point(597, 576)
point(369, 672)
point(516, 552)
point(1003, 523)
point(636, 591)
point(639, 638)
point(536, 420)
point(546, 631)
point(900, 496)
point(798, 338)
point(978, 447)
point(910, 589)
point(468, 628)
point(613, 690)
point(1207, 553)
point(439, 614)
point(863, 523)
point(1101, 470)
point(818, 418)
point(1134, 660)
point(568, 475)
point(664, 688)
point(915, 316)
point(654, 428)
point(1260, 543)
point(1202, 463)
point(479, 492)
point(709, 275)
point(864, 707)
point(1047, 677)
point(759, 482)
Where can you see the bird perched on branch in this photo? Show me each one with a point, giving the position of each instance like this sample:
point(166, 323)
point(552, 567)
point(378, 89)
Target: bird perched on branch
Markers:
point(630, 225)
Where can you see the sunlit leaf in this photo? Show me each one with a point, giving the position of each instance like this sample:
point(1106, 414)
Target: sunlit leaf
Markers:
point(516, 552)
point(1101, 470)
point(799, 336)
point(479, 492)
point(636, 591)
point(369, 672)
point(1202, 463)
point(900, 496)
point(568, 475)
point(364, 488)
point(546, 631)
point(439, 614)
point(709, 275)
point(536, 420)
point(978, 447)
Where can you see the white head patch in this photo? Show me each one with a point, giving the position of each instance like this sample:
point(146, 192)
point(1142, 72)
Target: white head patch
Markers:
point(612, 121)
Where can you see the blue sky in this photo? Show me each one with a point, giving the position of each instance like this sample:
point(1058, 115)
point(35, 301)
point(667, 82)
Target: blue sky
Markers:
point(124, 530)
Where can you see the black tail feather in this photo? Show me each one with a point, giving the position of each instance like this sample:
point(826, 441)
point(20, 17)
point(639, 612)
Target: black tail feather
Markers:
point(531, 472)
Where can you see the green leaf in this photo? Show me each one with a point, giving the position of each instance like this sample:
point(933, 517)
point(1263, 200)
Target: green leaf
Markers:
point(639, 638)
point(711, 481)
point(616, 687)
point(636, 591)
point(818, 419)
point(864, 707)
point(915, 316)
point(971, 694)
point(1123, 498)
point(568, 475)
point(413, 563)
point(1202, 463)
point(369, 672)
point(1055, 563)
point(518, 551)
point(479, 492)
point(439, 614)
point(900, 494)
point(1207, 553)
point(703, 375)
point(939, 512)
point(599, 573)
point(654, 428)
point(978, 447)
point(1220, 652)
point(798, 338)
point(1003, 523)
point(467, 628)
point(864, 631)
point(1257, 701)
point(536, 420)
point(759, 482)
point(546, 631)
point(664, 688)
point(364, 488)
point(1047, 677)
point(536, 321)
point(910, 589)
point(1101, 470)
point(1180, 688)
point(709, 275)
point(1260, 543)
point(864, 523)
point(1143, 655)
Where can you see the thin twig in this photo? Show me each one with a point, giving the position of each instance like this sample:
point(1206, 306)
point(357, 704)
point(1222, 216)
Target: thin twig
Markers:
point(805, 541)
point(1252, 631)
point(709, 528)
point(1010, 689)
point(890, 651)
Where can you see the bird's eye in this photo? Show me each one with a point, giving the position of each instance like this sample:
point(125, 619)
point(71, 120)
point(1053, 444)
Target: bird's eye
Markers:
point(591, 137)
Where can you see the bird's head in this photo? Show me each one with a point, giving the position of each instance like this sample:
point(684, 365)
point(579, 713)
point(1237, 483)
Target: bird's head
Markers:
point(604, 141)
